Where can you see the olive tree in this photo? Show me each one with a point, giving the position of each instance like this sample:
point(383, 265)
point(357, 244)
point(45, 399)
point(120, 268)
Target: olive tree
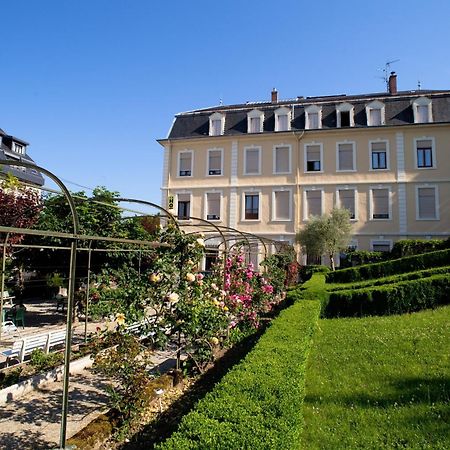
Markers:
point(326, 235)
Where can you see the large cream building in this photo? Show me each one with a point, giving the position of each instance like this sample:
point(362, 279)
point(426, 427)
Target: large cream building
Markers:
point(266, 167)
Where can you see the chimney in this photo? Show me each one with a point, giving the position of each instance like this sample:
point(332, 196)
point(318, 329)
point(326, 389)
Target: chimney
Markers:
point(274, 96)
point(392, 83)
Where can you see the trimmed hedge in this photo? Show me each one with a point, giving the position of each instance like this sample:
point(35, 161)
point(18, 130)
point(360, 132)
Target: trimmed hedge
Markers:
point(404, 297)
point(258, 403)
point(389, 280)
point(391, 267)
point(409, 247)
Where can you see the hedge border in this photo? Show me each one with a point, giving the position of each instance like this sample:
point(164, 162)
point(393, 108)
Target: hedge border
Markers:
point(258, 404)
point(390, 267)
point(402, 297)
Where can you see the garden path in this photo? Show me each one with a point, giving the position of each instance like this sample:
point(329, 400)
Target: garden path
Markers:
point(33, 421)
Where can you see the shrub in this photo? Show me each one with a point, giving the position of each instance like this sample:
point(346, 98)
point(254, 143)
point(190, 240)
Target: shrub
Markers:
point(403, 297)
point(391, 267)
point(409, 247)
point(389, 280)
point(359, 257)
point(258, 403)
point(306, 272)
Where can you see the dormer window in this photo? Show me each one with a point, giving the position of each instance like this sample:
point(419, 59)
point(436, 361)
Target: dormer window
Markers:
point(375, 113)
point(216, 124)
point(19, 148)
point(422, 109)
point(255, 120)
point(282, 119)
point(345, 115)
point(313, 117)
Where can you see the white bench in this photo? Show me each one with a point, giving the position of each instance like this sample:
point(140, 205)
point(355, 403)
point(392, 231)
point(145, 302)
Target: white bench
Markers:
point(7, 298)
point(25, 346)
point(137, 328)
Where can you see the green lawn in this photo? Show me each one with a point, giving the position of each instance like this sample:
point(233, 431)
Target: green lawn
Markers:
point(380, 382)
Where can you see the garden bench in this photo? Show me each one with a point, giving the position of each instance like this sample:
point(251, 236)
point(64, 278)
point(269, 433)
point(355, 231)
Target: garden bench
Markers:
point(137, 328)
point(8, 299)
point(25, 346)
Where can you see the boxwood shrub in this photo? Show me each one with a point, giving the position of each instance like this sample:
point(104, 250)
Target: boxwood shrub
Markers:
point(388, 280)
point(409, 247)
point(403, 297)
point(258, 403)
point(391, 267)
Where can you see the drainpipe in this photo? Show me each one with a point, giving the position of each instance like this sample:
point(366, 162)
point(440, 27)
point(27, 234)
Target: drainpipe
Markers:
point(297, 182)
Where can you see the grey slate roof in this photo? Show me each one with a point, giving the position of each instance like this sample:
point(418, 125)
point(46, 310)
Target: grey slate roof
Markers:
point(7, 154)
point(398, 111)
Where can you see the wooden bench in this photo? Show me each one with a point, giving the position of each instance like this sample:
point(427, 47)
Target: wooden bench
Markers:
point(7, 299)
point(25, 346)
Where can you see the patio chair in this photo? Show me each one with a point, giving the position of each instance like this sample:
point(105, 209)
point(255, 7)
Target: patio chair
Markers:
point(20, 317)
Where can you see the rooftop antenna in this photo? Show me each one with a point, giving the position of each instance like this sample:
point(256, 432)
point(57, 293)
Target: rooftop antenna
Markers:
point(221, 100)
point(419, 85)
point(386, 72)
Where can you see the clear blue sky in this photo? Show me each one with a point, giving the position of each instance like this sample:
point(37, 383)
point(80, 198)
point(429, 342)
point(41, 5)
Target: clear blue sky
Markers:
point(91, 84)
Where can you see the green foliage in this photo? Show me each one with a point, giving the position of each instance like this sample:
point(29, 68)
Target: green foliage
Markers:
point(409, 247)
point(327, 234)
point(121, 358)
point(313, 289)
point(379, 383)
point(388, 280)
point(11, 377)
point(359, 257)
point(306, 272)
point(398, 298)
point(42, 361)
point(258, 403)
point(391, 267)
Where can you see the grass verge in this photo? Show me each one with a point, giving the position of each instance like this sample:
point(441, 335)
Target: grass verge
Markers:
point(379, 382)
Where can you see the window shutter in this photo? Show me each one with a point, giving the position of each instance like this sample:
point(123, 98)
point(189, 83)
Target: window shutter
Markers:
point(185, 163)
point(282, 122)
point(345, 157)
point(215, 162)
point(379, 146)
point(282, 160)
point(314, 203)
point(427, 203)
point(313, 120)
point(282, 205)
point(213, 206)
point(252, 161)
point(347, 200)
point(255, 125)
point(380, 204)
point(422, 114)
point(375, 116)
point(424, 144)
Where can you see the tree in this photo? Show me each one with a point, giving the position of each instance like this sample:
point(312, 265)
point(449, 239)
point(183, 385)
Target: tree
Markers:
point(327, 234)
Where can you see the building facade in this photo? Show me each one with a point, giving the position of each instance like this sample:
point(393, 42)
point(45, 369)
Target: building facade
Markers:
point(15, 149)
point(267, 167)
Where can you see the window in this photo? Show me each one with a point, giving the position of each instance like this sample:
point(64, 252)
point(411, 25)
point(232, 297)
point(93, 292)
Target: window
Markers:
point(281, 205)
point(255, 120)
point(215, 162)
point(313, 202)
point(378, 155)
point(213, 205)
point(313, 117)
point(252, 161)
point(185, 164)
point(251, 211)
point(347, 200)
point(381, 246)
point(422, 110)
point(345, 156)
point(282, 119)
point(345, 115)
point(375, 113)
point(216, 124)
point(19, 148)
point(380, 203)
point(313, 158)
point(184, 206)
point(425, 153)
point(282, 159)
point(426, 203)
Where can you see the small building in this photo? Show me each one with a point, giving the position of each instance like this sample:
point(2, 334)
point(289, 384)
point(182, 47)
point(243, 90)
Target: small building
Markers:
point(15, 149)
